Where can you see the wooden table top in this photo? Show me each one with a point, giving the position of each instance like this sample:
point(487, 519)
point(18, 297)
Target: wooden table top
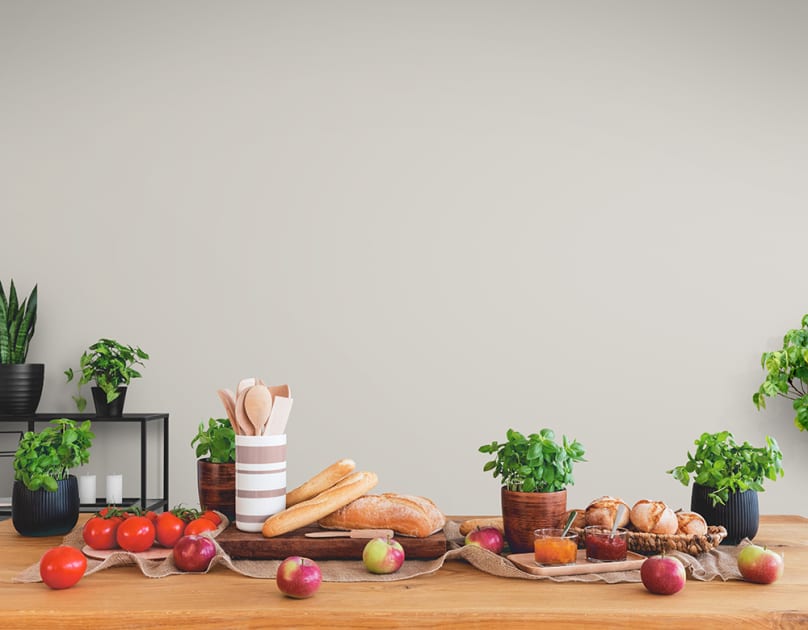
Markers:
point(458, 595)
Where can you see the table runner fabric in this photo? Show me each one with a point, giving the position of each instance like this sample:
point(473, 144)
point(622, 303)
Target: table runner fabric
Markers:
point(719, 563)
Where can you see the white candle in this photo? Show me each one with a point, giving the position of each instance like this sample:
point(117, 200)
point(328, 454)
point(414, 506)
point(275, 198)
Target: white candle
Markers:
point(114, 489)
point(86, 489)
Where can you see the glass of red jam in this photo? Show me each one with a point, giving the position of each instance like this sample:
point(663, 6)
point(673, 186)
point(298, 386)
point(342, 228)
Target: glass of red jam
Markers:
point(601, 546)
point(551, 547)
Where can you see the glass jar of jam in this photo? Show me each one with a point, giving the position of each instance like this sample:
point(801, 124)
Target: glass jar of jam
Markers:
point(601, 546)
point(550, 548)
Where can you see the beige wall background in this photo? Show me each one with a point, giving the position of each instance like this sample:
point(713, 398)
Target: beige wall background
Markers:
point(435, 220)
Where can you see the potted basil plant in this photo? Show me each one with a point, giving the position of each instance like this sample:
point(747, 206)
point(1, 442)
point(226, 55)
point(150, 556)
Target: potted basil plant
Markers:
point(216, 467)
point(535, 471)
point(111, 366)
point(45, 496)
point(787, 374)
point(727, 477)
point(20, 382)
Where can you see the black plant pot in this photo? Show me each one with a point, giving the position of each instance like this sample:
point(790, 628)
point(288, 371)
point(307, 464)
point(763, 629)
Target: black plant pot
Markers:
point(740, 515)
point(43, 513)
point(104, 409)
point(21, 387)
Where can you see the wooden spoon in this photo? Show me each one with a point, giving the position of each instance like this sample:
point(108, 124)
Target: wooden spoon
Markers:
point(280, 390)
point(243, 384)
point(229, 402)
point(257, 406)
point(241, 416)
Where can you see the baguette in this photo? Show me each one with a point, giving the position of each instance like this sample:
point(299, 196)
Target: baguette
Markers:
point(311, 510)
point(320, 482)
point(474, 523)
point(406, 515)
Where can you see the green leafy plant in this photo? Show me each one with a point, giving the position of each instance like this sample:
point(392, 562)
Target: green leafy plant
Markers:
point(722, 464)
point(217, 441)
point(110, 365)
point(42, 459)
point(535, 463)
point(17, 324)
point(787, 374)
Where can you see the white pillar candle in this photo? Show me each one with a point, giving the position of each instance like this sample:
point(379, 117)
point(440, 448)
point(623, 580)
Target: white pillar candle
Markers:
point(86, 489)
point(114, 489)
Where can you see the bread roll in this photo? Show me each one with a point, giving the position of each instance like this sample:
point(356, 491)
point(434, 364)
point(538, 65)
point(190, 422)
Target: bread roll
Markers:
point(478, 523)
point(691, 523)
point(323, 480)
point(406, 515)
point(603, 511)
point(312, 510)
point(654, 517)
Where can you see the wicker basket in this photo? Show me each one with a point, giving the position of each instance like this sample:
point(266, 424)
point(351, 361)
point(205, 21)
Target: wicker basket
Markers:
point(648, 544)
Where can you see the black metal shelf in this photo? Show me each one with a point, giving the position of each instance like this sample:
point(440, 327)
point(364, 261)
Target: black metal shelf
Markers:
point(143, 419)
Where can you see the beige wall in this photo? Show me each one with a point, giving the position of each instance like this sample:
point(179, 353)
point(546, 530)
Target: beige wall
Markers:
point(435, 220)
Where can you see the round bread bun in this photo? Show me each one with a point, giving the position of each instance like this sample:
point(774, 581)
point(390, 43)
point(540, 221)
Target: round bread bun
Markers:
point(654, 517)
point(578, 523)
point(691, 523)
point(603, 511)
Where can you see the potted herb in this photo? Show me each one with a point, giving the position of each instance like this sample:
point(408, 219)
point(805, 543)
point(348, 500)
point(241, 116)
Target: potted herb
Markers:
point(787, 374)
point(726, 479)
point(20, 382)
point(535, 472)
point(45, 497)
point(216, 469)
point(111, 366)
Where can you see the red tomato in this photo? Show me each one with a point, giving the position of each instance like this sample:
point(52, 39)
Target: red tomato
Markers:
point(151, 515)
point(170, 529)
point(199, 525)
point(212, 516)
point(62, 567)
point(99, 532)
point(135, 534)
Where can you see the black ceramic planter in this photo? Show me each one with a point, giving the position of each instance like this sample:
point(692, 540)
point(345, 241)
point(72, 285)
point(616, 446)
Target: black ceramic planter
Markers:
point(740, 516)
point(21, 387)
point(104, 409)
point(43, 513)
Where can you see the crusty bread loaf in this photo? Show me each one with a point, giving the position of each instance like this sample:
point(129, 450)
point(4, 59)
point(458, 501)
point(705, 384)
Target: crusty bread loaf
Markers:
point(405, 514)
point(323, 480)
point(478, 523)
point(603, 511)
point(654, 517)
point(691, 523)
point(310, 511)
point(578, 523)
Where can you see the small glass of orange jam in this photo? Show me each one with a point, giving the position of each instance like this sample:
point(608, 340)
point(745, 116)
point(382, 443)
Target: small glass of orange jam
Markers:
point(550, 548)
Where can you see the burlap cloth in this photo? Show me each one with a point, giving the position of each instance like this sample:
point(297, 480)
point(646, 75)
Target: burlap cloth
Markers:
point(717, 563)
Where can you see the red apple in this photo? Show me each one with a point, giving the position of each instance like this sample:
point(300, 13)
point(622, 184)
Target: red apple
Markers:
point(383, 555)
point(486, 537)
point(663, 575)
point(193, 553)
point(298, 577)
point(761, 565)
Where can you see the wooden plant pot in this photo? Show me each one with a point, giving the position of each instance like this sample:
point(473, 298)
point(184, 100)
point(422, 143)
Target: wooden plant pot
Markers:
point(216, 484)
point(740, 516)
point(523, 512)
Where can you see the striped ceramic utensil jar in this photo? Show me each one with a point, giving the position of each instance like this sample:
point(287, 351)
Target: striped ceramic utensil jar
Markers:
point(260, 479)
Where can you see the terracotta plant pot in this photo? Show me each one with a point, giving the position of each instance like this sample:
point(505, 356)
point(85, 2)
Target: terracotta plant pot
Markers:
point(523, 512)
point(216, 484)
point(740, 516)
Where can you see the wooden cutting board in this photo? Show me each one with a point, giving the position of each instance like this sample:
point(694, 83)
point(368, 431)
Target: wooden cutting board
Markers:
point(254, 546)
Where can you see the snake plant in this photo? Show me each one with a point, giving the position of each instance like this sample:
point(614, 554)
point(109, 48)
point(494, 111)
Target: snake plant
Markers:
point(17, 324)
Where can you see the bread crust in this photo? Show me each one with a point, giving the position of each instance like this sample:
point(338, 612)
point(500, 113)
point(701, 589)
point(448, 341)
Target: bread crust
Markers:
point(475, 523)
point(691, 523)
point(603, 511)
point(654, 517)
point(406, 515)
point(322, 481)
point(310, 511)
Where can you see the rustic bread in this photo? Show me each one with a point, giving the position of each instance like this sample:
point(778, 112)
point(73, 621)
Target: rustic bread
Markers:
point(654, 517)
point(478, 523)
point(406, 515)
point(322, 481)
point(603, 511)
point(691, 523)
point(578, 523)
point(307, 512)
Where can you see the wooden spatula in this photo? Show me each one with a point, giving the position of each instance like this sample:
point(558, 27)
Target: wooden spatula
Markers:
point(353, 533)
point(229, 402)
